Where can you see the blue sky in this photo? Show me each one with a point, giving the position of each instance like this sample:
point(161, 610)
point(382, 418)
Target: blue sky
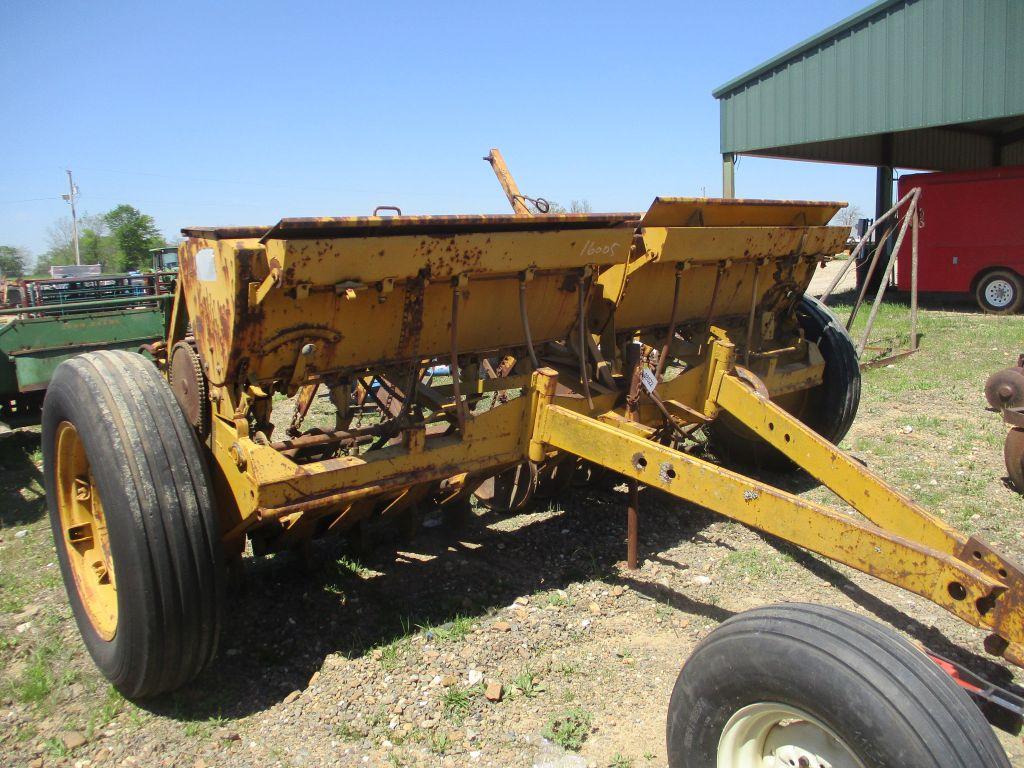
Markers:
point(222, 113)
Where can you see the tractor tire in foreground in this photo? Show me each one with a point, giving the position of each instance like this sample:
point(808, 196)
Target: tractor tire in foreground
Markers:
point(133, 522)
point(807, 685)
point(829, 409)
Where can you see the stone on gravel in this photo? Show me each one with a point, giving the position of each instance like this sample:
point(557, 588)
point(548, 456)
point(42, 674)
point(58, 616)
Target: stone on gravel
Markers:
point(494, 691)
point(502, 626)
point(225, 734)
point(21, 534)
point(475, 676)
point(73, 739)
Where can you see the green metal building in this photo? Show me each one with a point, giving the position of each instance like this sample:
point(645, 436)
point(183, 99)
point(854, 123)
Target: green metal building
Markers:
point(924, 84)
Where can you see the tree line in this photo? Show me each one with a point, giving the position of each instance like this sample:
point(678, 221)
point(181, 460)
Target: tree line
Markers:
point(118, 240)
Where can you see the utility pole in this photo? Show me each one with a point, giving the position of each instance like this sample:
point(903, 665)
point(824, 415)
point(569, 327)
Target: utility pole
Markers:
point(70, 197)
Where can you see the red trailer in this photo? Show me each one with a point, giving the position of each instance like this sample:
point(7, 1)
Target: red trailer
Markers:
point(971, 236)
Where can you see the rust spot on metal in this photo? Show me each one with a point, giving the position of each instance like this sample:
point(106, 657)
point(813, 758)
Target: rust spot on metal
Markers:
point(412, 317)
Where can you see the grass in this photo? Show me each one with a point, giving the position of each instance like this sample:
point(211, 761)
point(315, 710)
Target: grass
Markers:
point(755, 564)
point(351, 565)
point(621, 761)
point(569, 728)
point(103, 713)
point(569, 668)
point(456, 702)
point(951, 459)
point(440, 742)
point(449, 632)
point(559, 599)
point(526, 683)
point(40, 676)
point(55, 747)
point(203, 729)
point(348, 732)
point(390, 654)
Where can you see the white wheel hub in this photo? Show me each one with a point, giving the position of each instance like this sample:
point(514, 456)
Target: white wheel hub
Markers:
point(999, 293)
point(769, 735)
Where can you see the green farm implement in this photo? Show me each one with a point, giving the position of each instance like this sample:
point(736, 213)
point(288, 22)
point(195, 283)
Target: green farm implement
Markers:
point(44, 322)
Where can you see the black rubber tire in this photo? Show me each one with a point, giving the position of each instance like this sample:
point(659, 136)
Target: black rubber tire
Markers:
point(829, 409)
point(1016, 299)
point(164, 538)
point(889, 703)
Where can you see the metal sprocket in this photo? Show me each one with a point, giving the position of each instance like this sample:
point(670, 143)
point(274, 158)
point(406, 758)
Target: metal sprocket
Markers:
point(188, 383)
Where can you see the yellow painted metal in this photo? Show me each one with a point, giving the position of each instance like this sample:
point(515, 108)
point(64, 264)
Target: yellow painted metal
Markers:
point(736, 212)
point(84, 527)
point(957, 586)
point(409, 320)
point(854, 483)
point(339, 302)
point(1002, 610)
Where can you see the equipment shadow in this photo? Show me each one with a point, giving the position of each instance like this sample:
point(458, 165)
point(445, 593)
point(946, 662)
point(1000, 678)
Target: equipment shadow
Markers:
point(22, 498)
point(287, 618)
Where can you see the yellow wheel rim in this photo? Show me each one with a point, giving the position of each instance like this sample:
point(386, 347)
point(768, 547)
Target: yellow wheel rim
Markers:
point(84, 532)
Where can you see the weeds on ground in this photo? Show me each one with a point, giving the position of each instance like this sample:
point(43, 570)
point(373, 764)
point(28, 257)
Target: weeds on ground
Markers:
point(456, 702)
point(440, 742)
point(345, 564)
point(348, 732)
point(203, 728)
point(526, 683)
point(107, 710)
point(56, 748)
point(559, 599)
point(38, 678)
point(756, 564)
point(450, 631)
point(569, 668)
point(569, 728)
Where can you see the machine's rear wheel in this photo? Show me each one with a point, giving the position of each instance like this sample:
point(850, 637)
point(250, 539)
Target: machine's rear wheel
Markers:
point(828, 409)
point(133, 522)
point(813, 686)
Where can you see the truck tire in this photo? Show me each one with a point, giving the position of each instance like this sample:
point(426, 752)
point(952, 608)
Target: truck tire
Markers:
point(133, 521)
point(829, 409)
point(810, 685)
point(1000, 292)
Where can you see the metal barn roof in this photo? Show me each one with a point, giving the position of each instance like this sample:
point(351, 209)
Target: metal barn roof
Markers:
point(928, 84)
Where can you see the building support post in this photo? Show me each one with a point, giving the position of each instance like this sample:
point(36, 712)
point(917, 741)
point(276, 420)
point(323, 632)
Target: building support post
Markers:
point(883, 202)
point(728, 175)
